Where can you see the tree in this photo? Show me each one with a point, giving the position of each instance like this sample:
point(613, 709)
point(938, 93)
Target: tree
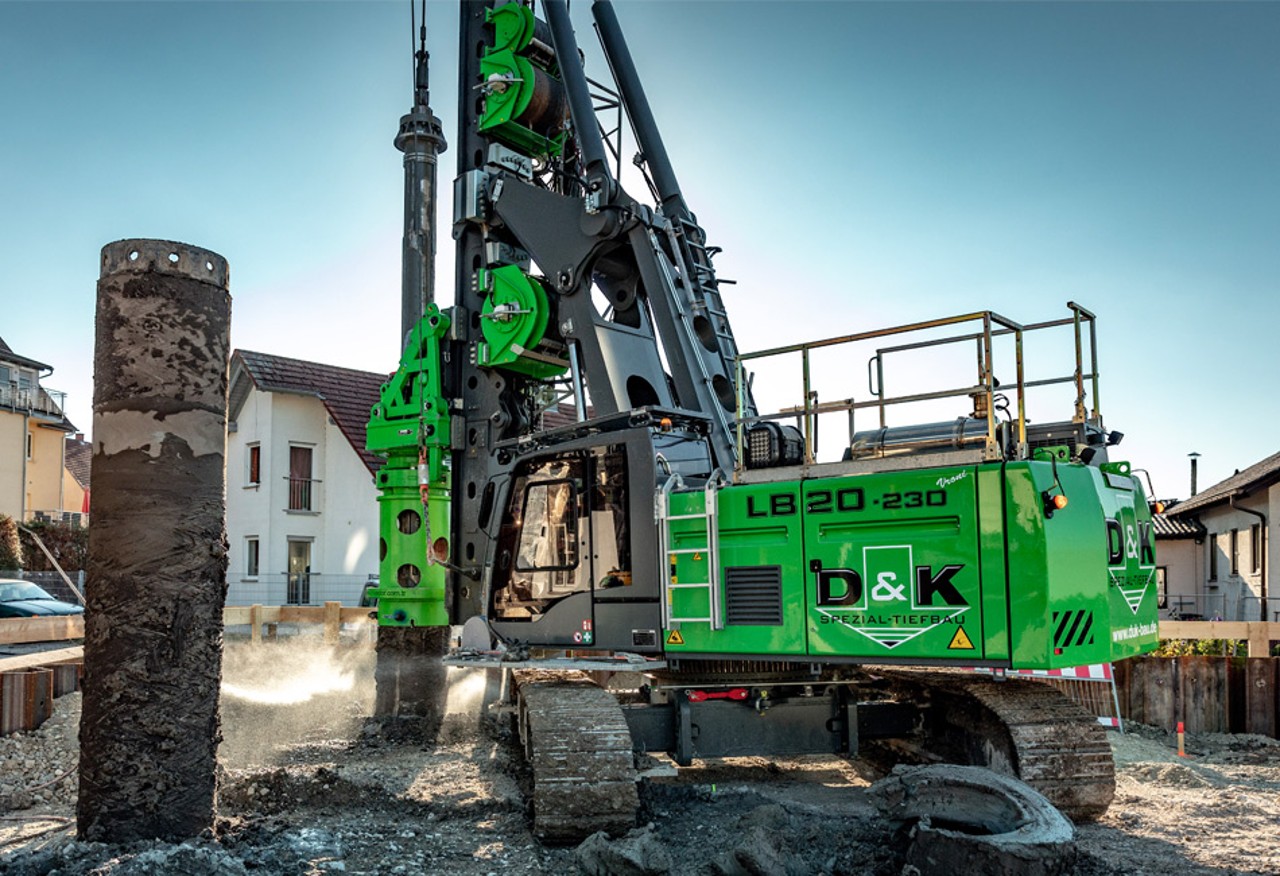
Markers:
point(68, 544)
point(10, 545)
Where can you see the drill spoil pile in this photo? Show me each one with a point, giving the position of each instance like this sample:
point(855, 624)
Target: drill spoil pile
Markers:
point(315, 786)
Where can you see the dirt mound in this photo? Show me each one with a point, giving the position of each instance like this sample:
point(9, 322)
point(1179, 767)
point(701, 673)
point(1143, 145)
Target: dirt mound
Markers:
point(313, 786)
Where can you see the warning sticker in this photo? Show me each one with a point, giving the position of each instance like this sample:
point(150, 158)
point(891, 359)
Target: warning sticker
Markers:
point(674, 638)
point(960, 641)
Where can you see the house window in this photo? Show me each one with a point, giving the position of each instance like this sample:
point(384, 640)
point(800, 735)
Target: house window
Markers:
point(299, 584)
point(253, 476)
point(300, 482)
point(1235, 552)
point(30, 445)
point(251, 557)
point(1255, 548)
point(1213, 557)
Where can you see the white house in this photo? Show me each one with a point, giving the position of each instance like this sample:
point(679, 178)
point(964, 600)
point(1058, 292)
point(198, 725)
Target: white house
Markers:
point(1223, 566)
point(302, 510)
point(1180, 547)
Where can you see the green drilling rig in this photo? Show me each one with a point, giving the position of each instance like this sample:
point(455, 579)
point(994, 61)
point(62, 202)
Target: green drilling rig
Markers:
point(579, 475)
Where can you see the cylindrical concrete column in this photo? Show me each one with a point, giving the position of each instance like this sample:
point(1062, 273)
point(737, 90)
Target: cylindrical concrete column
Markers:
point(157, 543)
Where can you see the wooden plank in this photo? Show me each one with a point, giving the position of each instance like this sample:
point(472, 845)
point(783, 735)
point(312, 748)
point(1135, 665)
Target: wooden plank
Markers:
point(1158, 690)
point(1204, 694)
point(1260, 696)
point(240, 615)
point(255, 624)
point(1121, 673)
point(1260, 639)
point(300, 614)
point(41, 658)
point(236, 615)
point(1236, 694)
point(24, 630)
point(1220, 630)
point(332, 622)
point(21, 630)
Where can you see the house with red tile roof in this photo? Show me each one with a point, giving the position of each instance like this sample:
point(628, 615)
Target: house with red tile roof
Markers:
point(76, 478)
point(33, 429)
point(302, 509)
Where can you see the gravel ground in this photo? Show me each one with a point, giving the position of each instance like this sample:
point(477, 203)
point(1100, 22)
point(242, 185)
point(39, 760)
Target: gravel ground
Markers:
point(312, 786)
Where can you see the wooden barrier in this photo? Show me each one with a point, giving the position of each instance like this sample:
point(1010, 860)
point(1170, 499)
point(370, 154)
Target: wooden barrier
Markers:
point(1259, 634)
point(1208, 694)
point(42, 658)
point(22, 630)
point(332, 615)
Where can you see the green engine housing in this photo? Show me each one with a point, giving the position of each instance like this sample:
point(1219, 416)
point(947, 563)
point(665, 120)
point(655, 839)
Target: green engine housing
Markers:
point(969, 565)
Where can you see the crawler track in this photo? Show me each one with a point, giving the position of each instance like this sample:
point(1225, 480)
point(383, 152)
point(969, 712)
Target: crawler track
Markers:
point(578, 744)
point(1025, 729)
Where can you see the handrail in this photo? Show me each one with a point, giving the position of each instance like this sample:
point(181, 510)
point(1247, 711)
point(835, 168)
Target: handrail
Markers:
point(993, 325)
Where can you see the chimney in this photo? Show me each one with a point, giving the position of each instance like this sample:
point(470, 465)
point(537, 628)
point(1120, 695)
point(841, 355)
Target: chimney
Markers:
point(1194, 456)
point(80, 437)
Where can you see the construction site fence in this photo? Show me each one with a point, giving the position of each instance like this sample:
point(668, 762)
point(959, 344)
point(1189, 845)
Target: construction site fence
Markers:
point(1206, 694)
point(1230, 605)
point(1218, 694)
point(299, 588)
point(249, 620)
point(52, 582)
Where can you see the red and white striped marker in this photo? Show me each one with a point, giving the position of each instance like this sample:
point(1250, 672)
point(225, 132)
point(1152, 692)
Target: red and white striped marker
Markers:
point(1182, 752)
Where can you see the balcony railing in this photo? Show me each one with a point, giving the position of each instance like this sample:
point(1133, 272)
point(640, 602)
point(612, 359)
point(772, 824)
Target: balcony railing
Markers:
point(1221, 606)
point(35, 400)
point(304, 494)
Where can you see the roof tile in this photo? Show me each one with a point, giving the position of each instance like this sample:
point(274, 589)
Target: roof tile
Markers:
point(347, 394)
point(1170, 527)
point(80, 460)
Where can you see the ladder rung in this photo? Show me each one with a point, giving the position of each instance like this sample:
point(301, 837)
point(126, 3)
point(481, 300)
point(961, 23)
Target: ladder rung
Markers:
point(687, 585)
point(689, 517)
point(689, 620)
point(688, 550)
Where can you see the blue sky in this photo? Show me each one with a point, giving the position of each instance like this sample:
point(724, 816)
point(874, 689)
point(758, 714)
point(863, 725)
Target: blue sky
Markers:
point(862, 164)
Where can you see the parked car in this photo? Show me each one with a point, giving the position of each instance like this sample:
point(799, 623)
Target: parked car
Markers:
point(24, 599)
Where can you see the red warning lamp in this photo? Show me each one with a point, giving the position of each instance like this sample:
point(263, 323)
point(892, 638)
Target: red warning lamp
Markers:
point(1158, 507)
point(1059, 502)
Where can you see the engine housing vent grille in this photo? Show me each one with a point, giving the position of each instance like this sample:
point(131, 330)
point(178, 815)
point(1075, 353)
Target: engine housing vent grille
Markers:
point(753, 595)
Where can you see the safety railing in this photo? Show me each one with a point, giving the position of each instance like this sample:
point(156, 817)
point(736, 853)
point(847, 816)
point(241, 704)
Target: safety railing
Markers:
point(34, 399)
point(303, 494)
point(983, 393)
